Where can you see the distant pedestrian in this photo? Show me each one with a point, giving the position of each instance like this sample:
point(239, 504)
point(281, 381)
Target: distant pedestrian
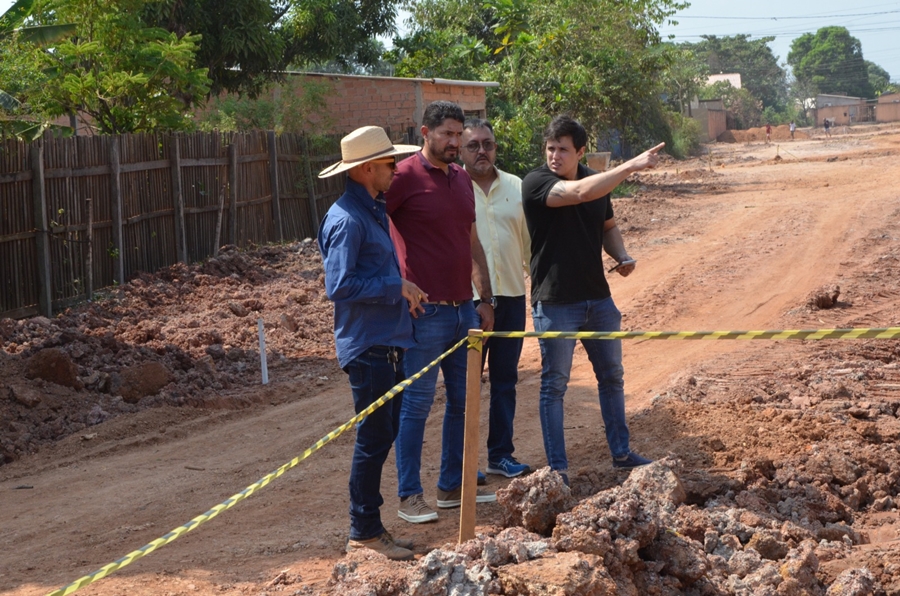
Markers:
point(501, 226)
point(793, 128)
point(827, 126)
point(372, 323)
point(768, 132)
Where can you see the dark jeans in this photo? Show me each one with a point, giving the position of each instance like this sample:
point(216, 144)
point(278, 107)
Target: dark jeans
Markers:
point(436, 330)
point(371, 376)
point(502, 356)
point(556, 365)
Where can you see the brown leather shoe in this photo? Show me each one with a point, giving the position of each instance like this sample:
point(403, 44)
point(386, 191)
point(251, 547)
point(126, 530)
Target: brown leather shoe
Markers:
point(401, 542)
point(382, 544)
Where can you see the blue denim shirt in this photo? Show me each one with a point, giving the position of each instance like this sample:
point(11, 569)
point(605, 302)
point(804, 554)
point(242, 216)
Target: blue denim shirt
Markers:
point(362, 276)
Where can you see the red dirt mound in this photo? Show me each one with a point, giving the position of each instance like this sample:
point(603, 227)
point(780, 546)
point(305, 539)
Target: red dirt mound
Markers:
point(757, 135)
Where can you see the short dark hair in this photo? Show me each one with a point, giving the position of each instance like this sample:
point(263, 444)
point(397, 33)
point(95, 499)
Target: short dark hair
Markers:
point(566, 126)
point(477, 123)
point(438, 111)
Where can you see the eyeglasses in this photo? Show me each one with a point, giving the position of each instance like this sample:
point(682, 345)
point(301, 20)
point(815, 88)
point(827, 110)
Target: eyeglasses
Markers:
point(486, 145)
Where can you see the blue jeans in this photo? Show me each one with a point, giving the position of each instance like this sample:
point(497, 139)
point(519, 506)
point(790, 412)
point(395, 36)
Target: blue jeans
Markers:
point(556, 365)
point(502, 355)
point(371, 376)
point(435, 330)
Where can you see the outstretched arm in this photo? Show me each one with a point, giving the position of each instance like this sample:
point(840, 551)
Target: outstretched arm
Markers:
point(573, 192)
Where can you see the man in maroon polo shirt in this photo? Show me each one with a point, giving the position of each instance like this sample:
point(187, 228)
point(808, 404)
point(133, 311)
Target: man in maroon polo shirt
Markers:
point(432, 209)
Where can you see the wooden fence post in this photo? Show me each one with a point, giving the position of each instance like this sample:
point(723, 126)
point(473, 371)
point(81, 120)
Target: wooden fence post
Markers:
point(118, 235)
point(89, 259)
point(273, 181)
point(310, 189)
point(42, 229)
point(232, 192)
point(178, 198)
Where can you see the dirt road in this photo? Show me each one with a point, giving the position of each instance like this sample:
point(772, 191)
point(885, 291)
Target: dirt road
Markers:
point(738, 240)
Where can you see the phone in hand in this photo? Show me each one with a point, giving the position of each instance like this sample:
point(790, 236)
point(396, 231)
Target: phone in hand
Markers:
point(622, 264)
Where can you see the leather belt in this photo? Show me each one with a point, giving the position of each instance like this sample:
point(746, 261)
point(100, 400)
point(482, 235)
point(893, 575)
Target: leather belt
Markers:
point(448, 302)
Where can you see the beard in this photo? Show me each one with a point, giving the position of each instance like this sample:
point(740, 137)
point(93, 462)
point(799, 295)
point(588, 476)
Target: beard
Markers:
point(446, 154)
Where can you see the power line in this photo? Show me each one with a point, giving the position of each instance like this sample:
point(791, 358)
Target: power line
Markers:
point(831, 16)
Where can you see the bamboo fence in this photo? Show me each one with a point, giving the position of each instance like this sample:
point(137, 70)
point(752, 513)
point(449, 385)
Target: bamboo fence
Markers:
point(84, 213)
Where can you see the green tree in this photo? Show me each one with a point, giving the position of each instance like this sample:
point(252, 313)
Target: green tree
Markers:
point(684, 77)
point(242, 43)
point(600, 61)
point(879, 79)
point(753, 59)
point(831, 61)
point(18, 71)
point(743, 109)
point(300, 104)
point(339, 30)
point(127, 77)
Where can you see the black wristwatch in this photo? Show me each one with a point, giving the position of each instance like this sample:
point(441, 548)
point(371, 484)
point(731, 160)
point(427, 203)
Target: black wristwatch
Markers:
point(493, 302)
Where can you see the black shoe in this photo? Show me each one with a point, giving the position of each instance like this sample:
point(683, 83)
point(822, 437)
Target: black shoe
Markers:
point(629, 461)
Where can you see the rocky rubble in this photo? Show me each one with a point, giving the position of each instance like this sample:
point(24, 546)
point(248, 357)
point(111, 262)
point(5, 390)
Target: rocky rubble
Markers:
point(639, 538)
point(184, 336)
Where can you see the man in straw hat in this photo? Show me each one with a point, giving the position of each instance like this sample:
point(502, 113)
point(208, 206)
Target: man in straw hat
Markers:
point(372, 319)
point(432, 209)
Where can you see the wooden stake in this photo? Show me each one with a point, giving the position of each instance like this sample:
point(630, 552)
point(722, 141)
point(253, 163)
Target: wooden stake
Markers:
point(471, 440)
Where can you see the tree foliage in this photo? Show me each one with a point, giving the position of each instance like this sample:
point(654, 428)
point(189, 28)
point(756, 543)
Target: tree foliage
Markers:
point(752, 58)
point(600, 61)
point(299, 106)
point(127, 77)
point(338, 30)
point(684, 77)
point(17, 72)
point(744, 110)
point(242, 43)
point(880, 79)
point(247, 43)
point(831, 61)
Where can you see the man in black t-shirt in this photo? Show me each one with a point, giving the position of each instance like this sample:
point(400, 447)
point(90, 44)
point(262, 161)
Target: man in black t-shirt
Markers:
point(570, 221)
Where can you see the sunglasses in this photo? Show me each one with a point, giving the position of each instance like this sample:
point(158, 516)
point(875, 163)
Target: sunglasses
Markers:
point(389, 162)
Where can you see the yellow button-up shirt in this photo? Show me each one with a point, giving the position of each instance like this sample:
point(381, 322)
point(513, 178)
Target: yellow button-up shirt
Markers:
point(500, 222)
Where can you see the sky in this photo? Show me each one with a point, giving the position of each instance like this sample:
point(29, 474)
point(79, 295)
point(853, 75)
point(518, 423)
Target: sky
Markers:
point(876, 24)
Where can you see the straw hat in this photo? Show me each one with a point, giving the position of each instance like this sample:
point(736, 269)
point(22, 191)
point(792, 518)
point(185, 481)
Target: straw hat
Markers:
point(365, 144)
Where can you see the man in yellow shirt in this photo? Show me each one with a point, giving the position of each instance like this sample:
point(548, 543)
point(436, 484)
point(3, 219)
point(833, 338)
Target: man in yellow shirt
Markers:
point(501, 227)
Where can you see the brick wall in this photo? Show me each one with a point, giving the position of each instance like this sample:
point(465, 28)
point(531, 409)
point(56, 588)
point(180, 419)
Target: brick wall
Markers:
point(396, 103)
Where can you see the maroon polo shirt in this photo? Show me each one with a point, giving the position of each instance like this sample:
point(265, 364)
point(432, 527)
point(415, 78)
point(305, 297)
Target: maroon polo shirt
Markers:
point(432, 214)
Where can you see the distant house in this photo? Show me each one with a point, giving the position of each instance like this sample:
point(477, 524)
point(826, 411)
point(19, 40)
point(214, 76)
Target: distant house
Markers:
point(887, 108)
point(842, 110)
point(711, 115)
point(732, 77)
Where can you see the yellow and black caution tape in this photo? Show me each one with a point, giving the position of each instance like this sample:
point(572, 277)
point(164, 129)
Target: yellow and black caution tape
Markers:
point(235, 499)
point(473, 341)
point(861, 333)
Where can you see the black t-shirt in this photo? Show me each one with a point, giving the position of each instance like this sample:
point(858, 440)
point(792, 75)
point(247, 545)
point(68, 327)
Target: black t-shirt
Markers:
point(566, 242)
